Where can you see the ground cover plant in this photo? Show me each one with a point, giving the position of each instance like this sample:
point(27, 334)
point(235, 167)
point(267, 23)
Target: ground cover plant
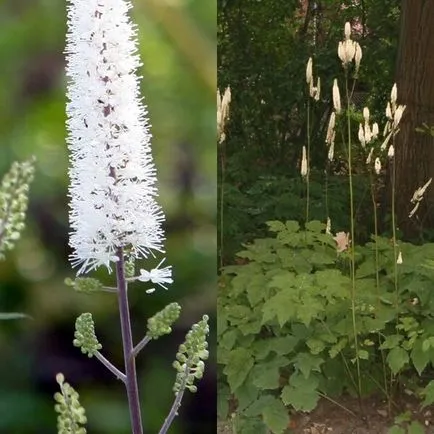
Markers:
point(314, 311)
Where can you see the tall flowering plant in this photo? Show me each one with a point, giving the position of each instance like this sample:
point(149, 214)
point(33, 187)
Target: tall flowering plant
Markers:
point(114, 216)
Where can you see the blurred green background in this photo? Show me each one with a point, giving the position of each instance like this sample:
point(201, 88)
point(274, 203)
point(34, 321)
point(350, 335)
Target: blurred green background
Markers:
point(177, 45)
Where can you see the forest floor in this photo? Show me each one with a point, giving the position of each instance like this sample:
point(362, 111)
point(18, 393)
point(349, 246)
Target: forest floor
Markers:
point(344, 417)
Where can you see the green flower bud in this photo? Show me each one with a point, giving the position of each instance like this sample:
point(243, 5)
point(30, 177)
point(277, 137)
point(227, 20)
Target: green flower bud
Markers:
point(84, 284)
point(130, 267)
point(84, 335)
point(71, 415)
point(189, 358)
point(160, 324)
point(13, 203)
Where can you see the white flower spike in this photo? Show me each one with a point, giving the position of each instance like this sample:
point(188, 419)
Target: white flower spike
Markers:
point(113, 194)
point(377, 166)
point(303, 169)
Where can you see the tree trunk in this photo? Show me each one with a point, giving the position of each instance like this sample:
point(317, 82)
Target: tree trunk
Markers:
point(414, 151)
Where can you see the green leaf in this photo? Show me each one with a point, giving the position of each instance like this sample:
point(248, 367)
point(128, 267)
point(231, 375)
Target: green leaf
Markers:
point(307, 363)
point(276, 416)
point(266, 376)
point(223, 396)
point(301, 392)
point(276, 226)
point(281, 306)
point(396, 359)
point(228, 339)
point(256, 407)
point(391, 341)
point(426, 345)
point(315, 226)
point(419, 357)
point(237, 313)
point(315, 345)
point(240, 363)
point(246, 394)
point(415, 428)
point(4, 316)
point(279, 345)
point(363, 354)
point(428, 393)
point(292, 226)
point(222, 322)
point(365, 269)
point(256, 289)
point(322, 258)
point(251, 426)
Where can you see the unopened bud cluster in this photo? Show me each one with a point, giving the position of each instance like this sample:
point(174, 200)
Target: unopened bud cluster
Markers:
point(87, 285)
point(71, 415)
point(13, 203)
point(84, 335)
point(190, 357)
point(130, 267)
point(161, 323)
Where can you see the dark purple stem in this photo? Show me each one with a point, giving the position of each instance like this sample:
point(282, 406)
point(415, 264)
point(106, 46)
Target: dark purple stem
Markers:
point(127, 342)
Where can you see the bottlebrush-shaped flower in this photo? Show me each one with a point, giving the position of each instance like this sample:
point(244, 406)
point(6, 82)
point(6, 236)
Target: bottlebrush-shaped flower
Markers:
point(112, 191)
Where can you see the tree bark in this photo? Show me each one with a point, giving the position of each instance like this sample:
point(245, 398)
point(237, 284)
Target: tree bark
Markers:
point(414, 151)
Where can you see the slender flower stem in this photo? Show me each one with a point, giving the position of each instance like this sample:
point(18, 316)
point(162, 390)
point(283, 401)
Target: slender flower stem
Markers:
point(353, 259)
point(118, 374)
point(141, 345)
point(176, 403)
point(377, 279)
point(127, 343)
point(222, 192)
point(395, 245)
point(308, 161)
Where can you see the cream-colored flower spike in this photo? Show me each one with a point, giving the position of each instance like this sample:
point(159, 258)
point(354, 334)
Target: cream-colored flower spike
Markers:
point(336, 97)
point(389, 111)
point(399, 260)
point(361, 136)
point(391, 151)
point(309, 76)
point(358, 56)
point(377, 166)
point(331, 128)
point(398, 115)
point(394, 94)
point(331, 152)
point(329, 226)
point(375, 130)
point(223, 103)
point(303, 170)
point(318, 89)
point(368, 160)
point(366, 114)
point(418, 196)
point(347, 30)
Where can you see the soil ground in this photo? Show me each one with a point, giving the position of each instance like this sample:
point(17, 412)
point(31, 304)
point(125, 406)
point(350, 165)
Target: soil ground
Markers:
point(330, 418)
